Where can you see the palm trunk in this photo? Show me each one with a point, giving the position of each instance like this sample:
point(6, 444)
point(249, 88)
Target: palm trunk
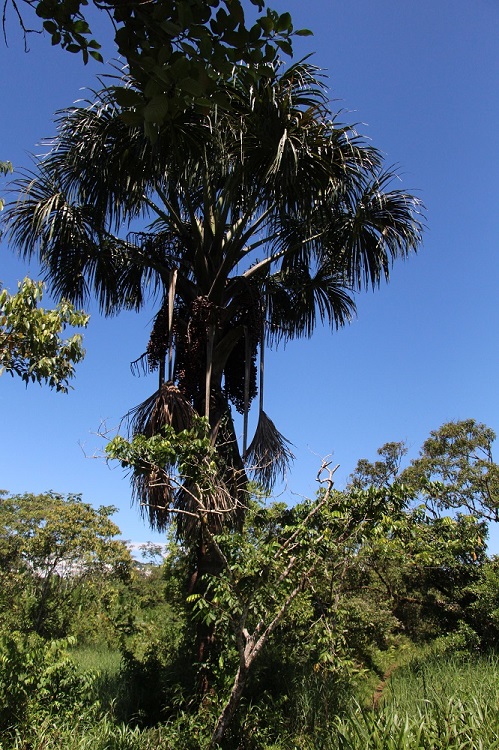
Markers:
point(209, 368)
point(171, 302)
point(247, 375)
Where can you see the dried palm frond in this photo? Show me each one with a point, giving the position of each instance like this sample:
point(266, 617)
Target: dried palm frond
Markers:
point(140, 366)
point(215, 507)
point(232, 468)
point(168, 406)
point(268, 455)
point(154, 487)
point(154, 492)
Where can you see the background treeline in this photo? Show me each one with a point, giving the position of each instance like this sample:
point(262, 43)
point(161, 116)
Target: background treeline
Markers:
point(367, 617)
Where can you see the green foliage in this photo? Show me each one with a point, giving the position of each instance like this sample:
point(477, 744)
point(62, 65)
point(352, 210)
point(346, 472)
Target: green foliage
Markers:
point(455, 470)
point(37, 680)
point(185, 468)
point(185, 53)
point(458, 459)
point(430, 561)
point(433, 704)
point(324, 588)
point(179, 52)
point(189, 452)
point(53, 550)
point(480, 597)
point(30, 337)
point(64, 21)
point(311, 605)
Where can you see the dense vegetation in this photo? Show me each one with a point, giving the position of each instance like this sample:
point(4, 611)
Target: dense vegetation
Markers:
point(330, 624)
point(265, 218)
point(358, 619)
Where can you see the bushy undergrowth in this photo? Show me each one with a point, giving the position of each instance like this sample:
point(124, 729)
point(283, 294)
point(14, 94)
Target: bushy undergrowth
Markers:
point(435, 702)
point(38, 682)
point(345, 667)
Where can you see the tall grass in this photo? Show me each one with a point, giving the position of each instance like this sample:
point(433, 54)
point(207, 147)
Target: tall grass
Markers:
point(100, 735)
point(440, 678)
point(97, 659)
point(433, 703)
point(440, 703)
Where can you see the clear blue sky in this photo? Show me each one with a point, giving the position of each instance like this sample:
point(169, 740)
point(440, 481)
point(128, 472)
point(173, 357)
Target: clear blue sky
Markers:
point(423, 79)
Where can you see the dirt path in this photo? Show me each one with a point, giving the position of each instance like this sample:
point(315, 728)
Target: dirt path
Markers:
point(382, 684)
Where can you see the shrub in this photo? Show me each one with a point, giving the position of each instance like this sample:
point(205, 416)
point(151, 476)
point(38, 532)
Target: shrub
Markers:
point(39, 679)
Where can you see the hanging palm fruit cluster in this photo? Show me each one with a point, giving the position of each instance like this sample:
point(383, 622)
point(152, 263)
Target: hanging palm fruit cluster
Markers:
point(241, 367)
point(191, 348)
point(158, 340)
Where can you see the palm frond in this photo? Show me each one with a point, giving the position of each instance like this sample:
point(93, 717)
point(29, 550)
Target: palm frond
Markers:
point(140, 366)
point(382, 225)
point(268, 455)
point(154, 491)
point(156, 488)
point(168, 406)
point(218, 507)
point(298, 300)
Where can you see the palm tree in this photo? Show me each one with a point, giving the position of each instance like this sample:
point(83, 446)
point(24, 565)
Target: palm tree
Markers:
point(248, 225)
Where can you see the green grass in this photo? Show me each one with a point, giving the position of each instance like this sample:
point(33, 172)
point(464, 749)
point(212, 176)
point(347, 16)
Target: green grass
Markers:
point(97, 659)
point(435, 703)
point(101, 735)
point(439, 678)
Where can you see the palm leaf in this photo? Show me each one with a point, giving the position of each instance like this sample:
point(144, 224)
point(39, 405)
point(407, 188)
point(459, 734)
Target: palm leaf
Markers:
point(168, 406)
point(154, 492)
point(268, 455)
point(298, 300)
point(381, 225)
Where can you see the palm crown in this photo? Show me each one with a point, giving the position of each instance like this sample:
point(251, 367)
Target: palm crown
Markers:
point(250, 225)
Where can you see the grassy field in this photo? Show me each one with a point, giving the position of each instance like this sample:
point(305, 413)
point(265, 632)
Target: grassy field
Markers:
point(97, 659)
point(432, 703)
point(435, 703)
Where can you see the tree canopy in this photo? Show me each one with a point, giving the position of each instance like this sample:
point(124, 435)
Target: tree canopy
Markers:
point(31, 346)
point(178, 53)
point(455, 470)
point(50, 544)
point(264, 220)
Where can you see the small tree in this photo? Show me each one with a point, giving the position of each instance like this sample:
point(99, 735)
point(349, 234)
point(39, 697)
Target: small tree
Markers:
point(49, 546)
point(429, 564)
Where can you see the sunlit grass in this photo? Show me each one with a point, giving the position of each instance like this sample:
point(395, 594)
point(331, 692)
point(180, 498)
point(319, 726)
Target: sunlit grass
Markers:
point(436, 679)
point(97, 659)
point(436, 703)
